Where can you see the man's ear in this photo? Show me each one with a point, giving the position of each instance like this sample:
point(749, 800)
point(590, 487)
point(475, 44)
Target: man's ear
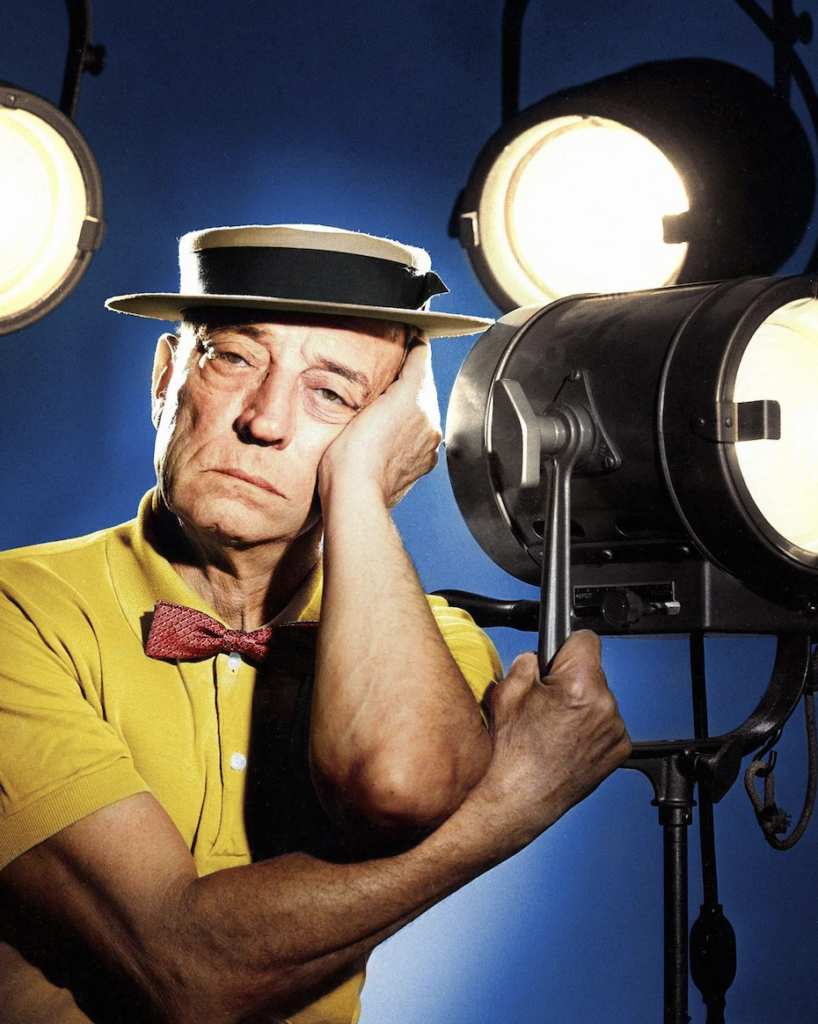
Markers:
point(162, 371)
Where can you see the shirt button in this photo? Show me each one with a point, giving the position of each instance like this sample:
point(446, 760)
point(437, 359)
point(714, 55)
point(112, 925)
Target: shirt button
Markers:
point(234, 660)
point(238, 762)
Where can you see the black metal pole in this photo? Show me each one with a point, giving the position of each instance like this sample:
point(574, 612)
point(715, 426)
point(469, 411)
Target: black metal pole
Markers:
point(513, 14)
point(675, 822)
point(707, 833)
point(81, 56)
point(555, 589)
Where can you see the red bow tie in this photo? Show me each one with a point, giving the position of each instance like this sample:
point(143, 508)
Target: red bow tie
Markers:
point(183, 633)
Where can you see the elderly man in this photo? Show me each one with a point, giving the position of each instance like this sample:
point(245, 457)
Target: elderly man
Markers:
point(214, 805)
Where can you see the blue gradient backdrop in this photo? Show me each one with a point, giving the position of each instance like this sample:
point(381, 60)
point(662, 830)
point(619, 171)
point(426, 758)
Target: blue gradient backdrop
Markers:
point(369, 116)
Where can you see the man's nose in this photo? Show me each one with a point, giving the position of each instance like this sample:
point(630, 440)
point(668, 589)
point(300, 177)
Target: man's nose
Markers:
point(268, 415)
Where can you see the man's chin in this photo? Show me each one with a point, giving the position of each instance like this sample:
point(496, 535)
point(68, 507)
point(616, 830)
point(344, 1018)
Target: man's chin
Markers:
point(232, 523)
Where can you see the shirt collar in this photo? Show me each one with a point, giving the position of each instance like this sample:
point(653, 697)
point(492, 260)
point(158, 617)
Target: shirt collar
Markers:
point(140, 577)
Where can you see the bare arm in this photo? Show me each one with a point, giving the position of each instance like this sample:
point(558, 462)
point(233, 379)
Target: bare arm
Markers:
point(122, 884)
point(397, 738)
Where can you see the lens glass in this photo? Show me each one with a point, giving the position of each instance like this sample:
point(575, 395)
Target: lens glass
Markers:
point(42, 209)
point(577, 204)
point(781, 363)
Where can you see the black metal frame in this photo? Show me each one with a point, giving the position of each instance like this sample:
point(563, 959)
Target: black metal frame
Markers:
point(521, 445)
point(82, 56)
point(710, 765)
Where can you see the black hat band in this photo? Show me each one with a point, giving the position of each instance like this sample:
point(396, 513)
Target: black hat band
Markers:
point(314, 275)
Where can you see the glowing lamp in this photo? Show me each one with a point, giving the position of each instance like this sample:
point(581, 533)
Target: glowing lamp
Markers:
point(693, 498)
point(670, 172)
point(50, 207)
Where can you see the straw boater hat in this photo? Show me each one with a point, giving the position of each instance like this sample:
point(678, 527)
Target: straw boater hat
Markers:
point(303, 268)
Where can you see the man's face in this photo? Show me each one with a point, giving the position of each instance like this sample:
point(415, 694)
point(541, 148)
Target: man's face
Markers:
point(245, 415)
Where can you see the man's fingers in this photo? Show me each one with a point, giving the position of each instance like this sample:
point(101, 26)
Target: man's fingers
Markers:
point(417, 359)
point(416, 375)
point(581, 652)
point(522, 675)
point(580, 646)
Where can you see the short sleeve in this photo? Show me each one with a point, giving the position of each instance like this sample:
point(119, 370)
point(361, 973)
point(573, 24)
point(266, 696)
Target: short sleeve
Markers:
point(475, 654)
point(59, 758)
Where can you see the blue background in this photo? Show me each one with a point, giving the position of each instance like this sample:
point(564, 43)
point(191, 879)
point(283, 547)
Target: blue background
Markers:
point(369, 116)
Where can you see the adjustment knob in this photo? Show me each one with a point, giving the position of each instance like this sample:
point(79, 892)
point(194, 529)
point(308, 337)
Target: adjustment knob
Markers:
point(622, 608)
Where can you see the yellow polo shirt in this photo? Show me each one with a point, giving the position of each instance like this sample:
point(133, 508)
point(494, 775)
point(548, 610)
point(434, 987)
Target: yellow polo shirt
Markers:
point(86, 718)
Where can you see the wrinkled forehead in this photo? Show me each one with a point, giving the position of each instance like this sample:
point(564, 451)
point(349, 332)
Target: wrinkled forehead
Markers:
point(370, 349)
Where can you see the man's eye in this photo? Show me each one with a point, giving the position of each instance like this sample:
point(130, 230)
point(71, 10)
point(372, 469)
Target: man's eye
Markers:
point(330, 396)
point(225, 356)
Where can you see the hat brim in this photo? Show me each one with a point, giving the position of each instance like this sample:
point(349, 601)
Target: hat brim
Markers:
point(171, 306)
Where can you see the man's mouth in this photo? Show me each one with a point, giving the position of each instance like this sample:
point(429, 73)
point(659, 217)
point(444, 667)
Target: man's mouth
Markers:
point(248, 478)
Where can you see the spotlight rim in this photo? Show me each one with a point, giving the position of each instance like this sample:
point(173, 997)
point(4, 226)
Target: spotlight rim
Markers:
point(700, 373)
point(92, 232)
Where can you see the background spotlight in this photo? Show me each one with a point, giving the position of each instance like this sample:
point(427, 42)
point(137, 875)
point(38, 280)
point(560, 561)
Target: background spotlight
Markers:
point(669, 172)
point(50, 207)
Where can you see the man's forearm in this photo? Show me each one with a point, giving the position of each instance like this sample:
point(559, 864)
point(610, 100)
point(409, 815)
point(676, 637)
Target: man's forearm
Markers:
point(312, 921)
point(276, 934)
point(166, 946)
point(395, 727)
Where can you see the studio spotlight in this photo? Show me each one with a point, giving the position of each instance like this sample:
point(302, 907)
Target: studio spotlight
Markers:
point(651, 460)
point(50, 189)
point(50, 207)
point(669, 172)
point(693, 498)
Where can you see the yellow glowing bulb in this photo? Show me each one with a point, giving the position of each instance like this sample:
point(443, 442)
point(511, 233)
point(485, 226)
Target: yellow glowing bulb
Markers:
point(42, 209)
point(578, 205)
point(781, 363)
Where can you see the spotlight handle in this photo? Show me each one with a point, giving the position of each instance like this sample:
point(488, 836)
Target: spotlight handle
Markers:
point(573, 425)
point(524, 443)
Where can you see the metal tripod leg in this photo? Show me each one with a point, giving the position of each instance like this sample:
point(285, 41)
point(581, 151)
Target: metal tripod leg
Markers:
point(673, 779)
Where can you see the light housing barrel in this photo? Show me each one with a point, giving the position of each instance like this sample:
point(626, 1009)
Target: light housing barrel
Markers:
point(672, 499)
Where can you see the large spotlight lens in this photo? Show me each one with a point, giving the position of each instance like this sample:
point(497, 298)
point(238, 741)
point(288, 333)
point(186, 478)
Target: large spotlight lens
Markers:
point(781, 363)
point(42, 208)
point(577, 204)
point(585, 210)
point(50, 207)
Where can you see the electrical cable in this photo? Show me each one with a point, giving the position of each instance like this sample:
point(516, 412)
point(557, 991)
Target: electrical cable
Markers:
point(773, 821)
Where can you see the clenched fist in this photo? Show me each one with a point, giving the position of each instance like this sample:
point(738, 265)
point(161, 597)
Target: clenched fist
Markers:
point(555, 740)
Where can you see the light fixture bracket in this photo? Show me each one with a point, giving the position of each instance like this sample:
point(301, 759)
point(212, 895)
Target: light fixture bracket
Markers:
point(729, 422)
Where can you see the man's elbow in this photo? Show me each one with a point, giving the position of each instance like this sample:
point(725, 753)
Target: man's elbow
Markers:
point(403, 799)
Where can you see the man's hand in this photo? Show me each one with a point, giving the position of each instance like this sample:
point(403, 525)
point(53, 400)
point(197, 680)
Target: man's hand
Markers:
point(394, 440)
point(555, 740)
